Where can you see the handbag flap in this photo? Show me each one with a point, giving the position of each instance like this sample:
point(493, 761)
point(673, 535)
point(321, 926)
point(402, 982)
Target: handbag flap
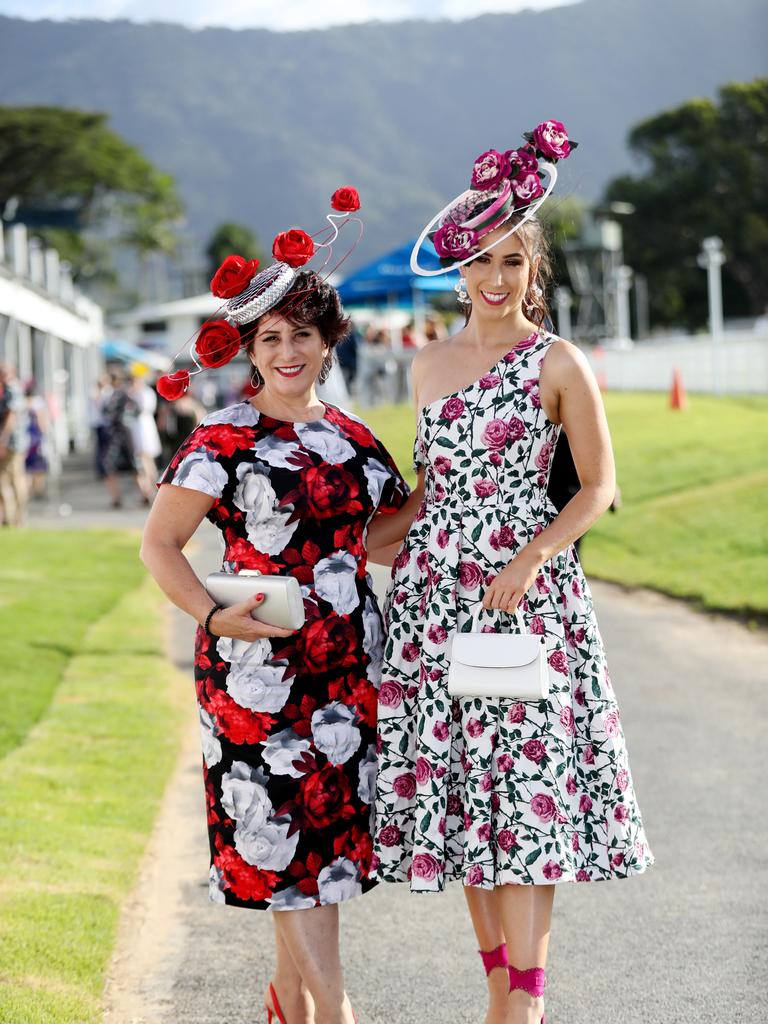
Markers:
point(496, 650)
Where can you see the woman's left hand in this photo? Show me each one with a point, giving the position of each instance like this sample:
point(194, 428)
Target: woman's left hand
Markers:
point(512, 583)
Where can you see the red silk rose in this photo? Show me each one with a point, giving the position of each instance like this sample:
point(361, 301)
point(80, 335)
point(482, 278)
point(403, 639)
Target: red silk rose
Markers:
point(293, 247)
point(346, 199)
point(173, 385)
point(233, 277)
point(217, 343)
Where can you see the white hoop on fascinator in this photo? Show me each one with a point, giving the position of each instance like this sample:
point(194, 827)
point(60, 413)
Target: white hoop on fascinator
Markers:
point(549, 169)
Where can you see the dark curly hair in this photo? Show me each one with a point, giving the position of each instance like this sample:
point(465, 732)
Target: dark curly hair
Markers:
point(311, 302)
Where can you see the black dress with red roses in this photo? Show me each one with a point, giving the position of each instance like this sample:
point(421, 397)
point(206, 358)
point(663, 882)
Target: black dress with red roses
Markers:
point(289, 725)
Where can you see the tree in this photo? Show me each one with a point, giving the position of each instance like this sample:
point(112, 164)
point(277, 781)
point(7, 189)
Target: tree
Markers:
point(66, 174)
point(706, 174)
point(231, 238)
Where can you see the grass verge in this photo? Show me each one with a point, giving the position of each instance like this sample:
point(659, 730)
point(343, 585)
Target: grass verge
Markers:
point(53, 585)
point(80, 795)
point(695, 489)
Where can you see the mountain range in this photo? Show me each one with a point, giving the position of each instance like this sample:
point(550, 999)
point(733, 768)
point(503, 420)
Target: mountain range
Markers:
point(260, 127)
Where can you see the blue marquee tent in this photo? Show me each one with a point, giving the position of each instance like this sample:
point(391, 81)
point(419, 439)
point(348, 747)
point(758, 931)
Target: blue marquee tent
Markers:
point(390, 279)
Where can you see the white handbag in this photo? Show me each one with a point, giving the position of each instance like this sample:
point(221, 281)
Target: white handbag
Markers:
point(507, 665)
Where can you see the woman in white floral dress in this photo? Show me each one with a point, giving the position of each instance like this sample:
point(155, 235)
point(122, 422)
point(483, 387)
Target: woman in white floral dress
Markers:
point(508, 797)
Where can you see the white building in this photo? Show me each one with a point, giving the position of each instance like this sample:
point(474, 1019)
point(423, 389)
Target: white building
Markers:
point(49, 332)
point(166, 328)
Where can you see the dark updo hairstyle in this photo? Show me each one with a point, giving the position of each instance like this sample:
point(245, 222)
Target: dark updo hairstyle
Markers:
point(310, 302)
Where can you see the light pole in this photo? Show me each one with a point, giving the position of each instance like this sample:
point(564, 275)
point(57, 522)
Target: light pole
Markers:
point(623, 282)
point(711, 258)
point(563, 301)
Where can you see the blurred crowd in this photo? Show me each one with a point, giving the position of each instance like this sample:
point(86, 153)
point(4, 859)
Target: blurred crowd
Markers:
point(24, 446)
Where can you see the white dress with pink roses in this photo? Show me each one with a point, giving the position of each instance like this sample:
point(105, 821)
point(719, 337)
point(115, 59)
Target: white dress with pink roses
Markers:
point(496, 791)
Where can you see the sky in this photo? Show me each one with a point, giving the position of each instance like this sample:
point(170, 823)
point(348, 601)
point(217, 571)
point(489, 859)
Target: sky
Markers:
point(285, 16)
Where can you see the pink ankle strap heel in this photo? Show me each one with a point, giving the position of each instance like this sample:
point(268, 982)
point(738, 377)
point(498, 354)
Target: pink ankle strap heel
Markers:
point(496, 958)
point(533, 981)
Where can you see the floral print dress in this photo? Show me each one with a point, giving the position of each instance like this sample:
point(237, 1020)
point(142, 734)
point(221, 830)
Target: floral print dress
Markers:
point(496, 791)
point(289, 724)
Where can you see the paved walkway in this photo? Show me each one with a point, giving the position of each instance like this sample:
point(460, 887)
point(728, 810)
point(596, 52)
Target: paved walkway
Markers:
point(688, 942)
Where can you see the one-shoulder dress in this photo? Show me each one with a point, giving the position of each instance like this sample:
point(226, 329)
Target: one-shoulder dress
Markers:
point(496, 791)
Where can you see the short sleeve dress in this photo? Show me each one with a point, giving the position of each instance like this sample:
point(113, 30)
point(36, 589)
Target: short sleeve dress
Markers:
point(289, 724)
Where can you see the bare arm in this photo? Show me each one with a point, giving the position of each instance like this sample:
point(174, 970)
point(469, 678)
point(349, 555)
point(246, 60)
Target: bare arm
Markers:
point(570, 396)
point(389, 529)
point(175, 515)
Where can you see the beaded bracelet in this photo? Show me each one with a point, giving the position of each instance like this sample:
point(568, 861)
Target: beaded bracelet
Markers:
point(209, 616)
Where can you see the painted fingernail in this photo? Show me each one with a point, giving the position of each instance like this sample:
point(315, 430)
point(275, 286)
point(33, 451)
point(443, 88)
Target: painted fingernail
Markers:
point(259, 597)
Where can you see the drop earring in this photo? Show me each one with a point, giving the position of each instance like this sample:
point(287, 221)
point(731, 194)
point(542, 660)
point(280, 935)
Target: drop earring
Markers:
point(257, 381)
point(462, 295)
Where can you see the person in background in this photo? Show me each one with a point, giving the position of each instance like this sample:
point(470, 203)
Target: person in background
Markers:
point(176, 420)
point(347, 356)
point(35, 458)
point(117, 410)
point(144, 434)
point(434, 330)
point(13, 485)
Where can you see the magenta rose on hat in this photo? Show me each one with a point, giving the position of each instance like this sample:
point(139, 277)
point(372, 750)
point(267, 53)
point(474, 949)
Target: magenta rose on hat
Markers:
point(489, 170)
point(453, 242)
point(522, 161)
point(527, 188)
point(551, 140)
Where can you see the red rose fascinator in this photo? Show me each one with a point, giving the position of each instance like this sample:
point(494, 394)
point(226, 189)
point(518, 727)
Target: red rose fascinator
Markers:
point(502, 184)
point(250, 293)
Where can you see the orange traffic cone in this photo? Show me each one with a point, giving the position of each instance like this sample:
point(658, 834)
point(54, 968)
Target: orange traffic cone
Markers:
point(677, 397)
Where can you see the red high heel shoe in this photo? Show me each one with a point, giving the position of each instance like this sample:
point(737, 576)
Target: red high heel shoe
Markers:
point(274, 1010)
point(533, 981)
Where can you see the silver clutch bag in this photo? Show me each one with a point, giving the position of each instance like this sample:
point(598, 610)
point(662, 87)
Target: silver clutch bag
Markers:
point(499, 665)
point(282, 606)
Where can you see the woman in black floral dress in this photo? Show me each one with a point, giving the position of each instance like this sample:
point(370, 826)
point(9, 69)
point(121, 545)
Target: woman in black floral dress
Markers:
point(288, 720)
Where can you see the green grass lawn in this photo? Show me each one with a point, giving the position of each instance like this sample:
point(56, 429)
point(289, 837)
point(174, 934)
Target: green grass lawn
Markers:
point(53, 585)
point(695, 489)
point(82, 783)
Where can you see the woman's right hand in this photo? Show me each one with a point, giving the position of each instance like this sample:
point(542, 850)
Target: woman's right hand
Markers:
point(236, 622)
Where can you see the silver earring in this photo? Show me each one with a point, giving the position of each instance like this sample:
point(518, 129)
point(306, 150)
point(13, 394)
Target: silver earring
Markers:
point(530, 305)
point(257, 381)
point(462, 296)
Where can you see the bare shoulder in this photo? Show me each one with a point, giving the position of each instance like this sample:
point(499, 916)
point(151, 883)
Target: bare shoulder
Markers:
point(431, 357)
point(565, 361)
point(432, 354)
